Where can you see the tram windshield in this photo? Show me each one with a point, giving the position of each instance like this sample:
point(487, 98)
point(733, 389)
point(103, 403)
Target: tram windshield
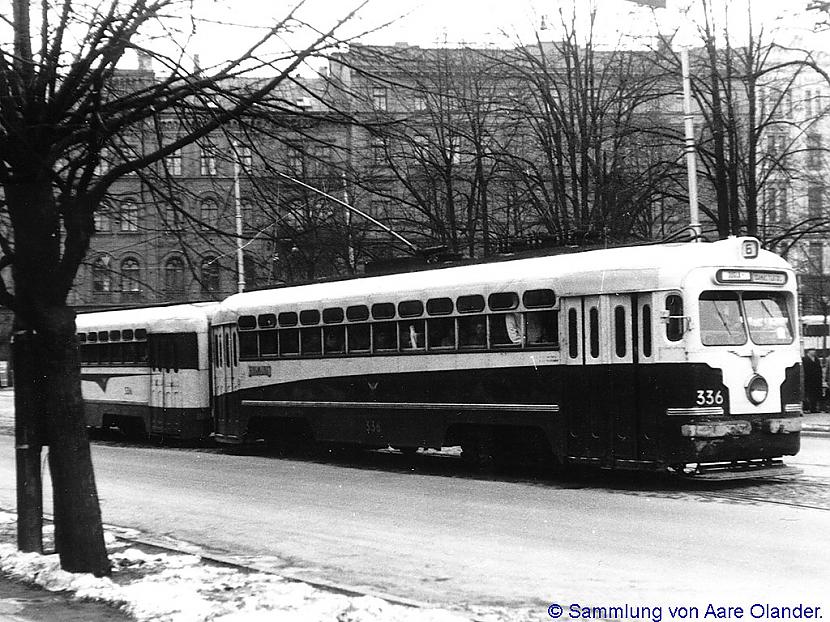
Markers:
point(725, 318)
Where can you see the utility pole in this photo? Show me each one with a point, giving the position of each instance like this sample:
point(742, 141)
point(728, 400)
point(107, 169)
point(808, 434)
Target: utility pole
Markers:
point(240, 254)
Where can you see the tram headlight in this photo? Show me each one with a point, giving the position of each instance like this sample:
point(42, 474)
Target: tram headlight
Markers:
point(757, 389)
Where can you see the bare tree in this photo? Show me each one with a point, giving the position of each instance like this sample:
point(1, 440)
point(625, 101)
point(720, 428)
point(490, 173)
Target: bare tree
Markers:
point(61, 117)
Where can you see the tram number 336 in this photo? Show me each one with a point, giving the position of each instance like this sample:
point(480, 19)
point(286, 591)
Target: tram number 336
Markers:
point(373, 427)
point(709, 397)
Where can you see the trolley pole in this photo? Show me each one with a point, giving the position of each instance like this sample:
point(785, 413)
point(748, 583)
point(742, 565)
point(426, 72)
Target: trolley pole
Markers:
point(691, 154)
point(240, 256)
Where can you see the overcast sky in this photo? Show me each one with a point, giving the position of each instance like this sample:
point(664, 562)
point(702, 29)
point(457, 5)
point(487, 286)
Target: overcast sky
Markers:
point(477, 22)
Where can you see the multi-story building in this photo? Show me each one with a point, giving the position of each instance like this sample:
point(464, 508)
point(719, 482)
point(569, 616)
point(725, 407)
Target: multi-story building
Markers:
point(452, 147)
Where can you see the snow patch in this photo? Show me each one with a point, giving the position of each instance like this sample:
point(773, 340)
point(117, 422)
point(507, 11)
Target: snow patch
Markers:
point(162, 587)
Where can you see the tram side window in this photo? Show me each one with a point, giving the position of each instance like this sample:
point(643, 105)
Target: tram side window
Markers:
point(674, 325)
point(646, 315)
point(411, 334)
point(334, 339)
point(384, 336)
point(289, 341)
point(359, 336)
point(543, 328)
point(441, 333)
point(472, 331)
point(507, 329)
point(310, 342)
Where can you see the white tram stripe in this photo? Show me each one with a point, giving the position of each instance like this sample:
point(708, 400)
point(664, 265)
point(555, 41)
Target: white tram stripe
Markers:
point(702, 410)
point(554, 408)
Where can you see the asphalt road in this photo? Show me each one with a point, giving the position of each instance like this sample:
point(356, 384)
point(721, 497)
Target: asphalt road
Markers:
point(440, 535)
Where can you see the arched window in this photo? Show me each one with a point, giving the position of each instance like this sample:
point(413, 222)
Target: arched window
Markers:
point(130, 276)
point(209, 212)
point(174, 275)
point(101, 275)
point(210, 274)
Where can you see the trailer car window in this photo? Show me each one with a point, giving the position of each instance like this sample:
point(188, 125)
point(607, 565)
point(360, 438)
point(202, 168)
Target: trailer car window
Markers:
point(721, 319)
point(247, 345)
point(289, 341)
point(768, 319)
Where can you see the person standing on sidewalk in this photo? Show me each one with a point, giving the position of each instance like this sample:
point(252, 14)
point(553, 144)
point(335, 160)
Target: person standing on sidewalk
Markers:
point(812, 380)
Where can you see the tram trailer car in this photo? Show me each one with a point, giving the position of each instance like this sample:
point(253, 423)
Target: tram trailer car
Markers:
point(680, 356)
point(146, 370)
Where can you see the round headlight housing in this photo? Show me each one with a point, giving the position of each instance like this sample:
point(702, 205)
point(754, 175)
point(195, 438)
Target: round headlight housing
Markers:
point(757, 389)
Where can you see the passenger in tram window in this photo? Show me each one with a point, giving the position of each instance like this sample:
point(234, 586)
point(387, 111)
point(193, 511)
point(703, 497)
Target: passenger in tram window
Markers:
point(472, 331)
point(514, 326)
point(441, 332)
point(542, 328)
point(334, 339)
point(412, 335)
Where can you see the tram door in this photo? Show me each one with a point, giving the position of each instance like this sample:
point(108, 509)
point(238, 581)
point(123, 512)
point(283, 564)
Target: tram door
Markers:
point(226, 381)
point(167, 401)
point(604, 399)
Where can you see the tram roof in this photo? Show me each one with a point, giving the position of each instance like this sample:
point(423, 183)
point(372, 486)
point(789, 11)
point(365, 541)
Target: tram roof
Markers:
point(625, 269)
point(188, 314)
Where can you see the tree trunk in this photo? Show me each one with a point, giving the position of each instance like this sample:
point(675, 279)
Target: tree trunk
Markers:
point(28, 444)
point(79, 536)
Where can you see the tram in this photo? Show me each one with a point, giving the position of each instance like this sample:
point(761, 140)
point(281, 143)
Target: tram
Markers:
point(146, 371)
point(683, 357)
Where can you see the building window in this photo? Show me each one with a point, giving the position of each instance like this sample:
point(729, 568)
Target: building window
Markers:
point(102, 221)
point(815, 202)
point(130, 276)
point(129, 217)
point(815, 258)
point(814, 150)
point(174, 275)
point(210, 275)
point(209, 212)
point(376, 150)
point(101, 275)
point(207, 160)
point(173, 163)
point(776, 203)
point(379, 98)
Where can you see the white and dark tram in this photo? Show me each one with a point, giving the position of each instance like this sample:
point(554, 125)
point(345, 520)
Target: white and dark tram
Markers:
point(679, 356)
point(146, 371)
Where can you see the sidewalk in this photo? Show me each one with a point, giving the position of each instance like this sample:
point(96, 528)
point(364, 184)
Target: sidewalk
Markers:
point(816, 423)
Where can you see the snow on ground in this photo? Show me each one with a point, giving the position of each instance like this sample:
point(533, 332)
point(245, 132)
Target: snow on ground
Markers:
point(165, 587)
